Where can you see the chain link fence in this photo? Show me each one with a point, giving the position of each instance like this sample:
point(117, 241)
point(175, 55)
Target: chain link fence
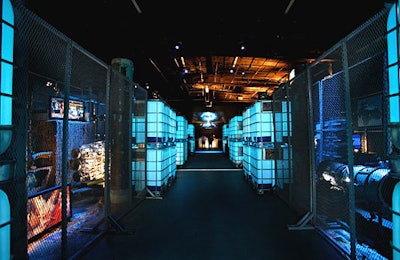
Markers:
point(336, 167)
point(340, 179)
point(73, 178)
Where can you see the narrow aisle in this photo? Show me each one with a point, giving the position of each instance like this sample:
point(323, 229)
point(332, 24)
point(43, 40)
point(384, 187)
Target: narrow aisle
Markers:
point(212, 215)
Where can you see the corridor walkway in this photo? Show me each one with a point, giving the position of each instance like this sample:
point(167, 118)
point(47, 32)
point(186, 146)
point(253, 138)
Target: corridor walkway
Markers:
point(211, 212)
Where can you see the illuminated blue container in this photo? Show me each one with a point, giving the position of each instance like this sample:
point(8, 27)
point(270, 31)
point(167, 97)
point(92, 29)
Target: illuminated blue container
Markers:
point(262, 168)
point(262, 122)
point(393, 69)
point(5, 226)
point(181, 154)
point(6, 88)
point(158, 170)
point(156, 121)
point(181, 140)
point(266, 131)
point(394, 117)
point(171, 136)
point(260, 134)
point(181, 127)
point(6, 74)
point(171, 124)
point(246, 143)
point(161, 149)
point(235, 140)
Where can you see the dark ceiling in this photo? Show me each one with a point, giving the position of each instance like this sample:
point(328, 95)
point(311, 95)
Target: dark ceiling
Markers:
point(277, 35)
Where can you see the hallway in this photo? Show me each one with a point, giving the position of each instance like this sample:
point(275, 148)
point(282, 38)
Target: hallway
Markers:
point(211, 213)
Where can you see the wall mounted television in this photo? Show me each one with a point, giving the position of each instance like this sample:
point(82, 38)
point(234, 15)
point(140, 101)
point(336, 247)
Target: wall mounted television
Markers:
point(76, 109)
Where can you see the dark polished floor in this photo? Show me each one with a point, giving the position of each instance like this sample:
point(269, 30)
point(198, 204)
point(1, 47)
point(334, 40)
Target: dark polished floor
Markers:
point(211, 212)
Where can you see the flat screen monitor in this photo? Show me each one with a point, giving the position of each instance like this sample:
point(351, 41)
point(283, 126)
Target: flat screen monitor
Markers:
point(76, 109)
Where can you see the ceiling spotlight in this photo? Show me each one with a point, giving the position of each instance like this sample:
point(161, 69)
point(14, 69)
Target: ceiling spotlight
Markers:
point(178, 45)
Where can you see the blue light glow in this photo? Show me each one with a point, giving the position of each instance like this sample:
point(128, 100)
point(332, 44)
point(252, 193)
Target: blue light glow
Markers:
point(393, 69)
point(5, 217)
point(7, 52)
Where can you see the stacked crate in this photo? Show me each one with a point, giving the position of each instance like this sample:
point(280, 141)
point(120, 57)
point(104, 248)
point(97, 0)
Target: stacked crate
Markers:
point(171, 132)
point(235, 140)
point(262, 163)
point(181, 140)
point(161, 151)
point(266, 130)
point(246, 144)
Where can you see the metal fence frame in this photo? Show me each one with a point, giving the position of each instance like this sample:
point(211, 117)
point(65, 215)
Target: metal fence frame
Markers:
point(359, 58)
point(43, 54)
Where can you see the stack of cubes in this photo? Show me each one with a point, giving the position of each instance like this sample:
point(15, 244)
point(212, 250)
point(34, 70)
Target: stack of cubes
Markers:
point(262, 151)
point(171, 132)
point(265, 140)
point(235, 140)
point(181, 140)
point(247, 144)
point(161, 151)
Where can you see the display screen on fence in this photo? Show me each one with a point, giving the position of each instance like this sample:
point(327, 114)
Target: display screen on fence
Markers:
point(44, 211)
point(76, 109)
